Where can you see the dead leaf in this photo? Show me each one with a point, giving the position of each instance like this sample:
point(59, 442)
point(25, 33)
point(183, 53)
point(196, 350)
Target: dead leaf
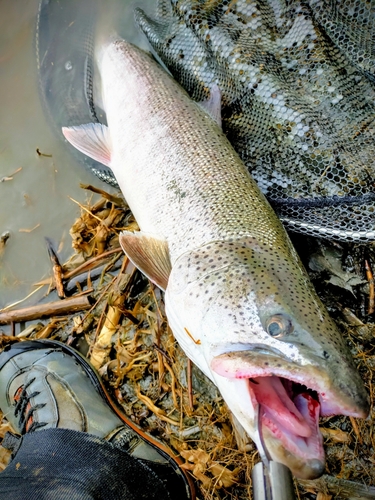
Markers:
point(226, 477)
point(335, 435)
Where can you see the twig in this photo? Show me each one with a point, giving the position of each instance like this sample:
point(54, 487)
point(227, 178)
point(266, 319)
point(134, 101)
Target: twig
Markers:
point(98, 327)
point(114, 199)
point(39, 153)
point(29, 230)
point(96, 303)
point(59, 308)
point(370, 279)
point(356, 430)
point(85, 209)
point(159, 349)
point(56, 269)
point(158, 411)
point(92, 274)
point(192, 338)
point(102, 345)
point(190, 384)
point(46, 331)
point(339, 487)
point(351, 318)
point(88, 264)
point(22, 300)
point(85, 292)
point(10, 177)
point(173, 384)
point(131, 317)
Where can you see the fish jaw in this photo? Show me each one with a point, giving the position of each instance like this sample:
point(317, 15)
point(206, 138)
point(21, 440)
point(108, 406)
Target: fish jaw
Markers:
point(292, 397)
point(307, 388)
point(304, 456)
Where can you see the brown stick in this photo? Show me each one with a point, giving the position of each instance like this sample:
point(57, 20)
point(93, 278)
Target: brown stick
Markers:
point(173, 383)
point(155, 409)
point(103, 344)
point(370, 279)
point(99, 351)
point(114, 199)
point(46, 331)
point(5, 339)
point(340, 487)
point(351, 318)
point(356, 430)
point(87, 265)
point(59, 308)
point(159, 349)
point(3, 239)
point(56, 269)
point(190, 384)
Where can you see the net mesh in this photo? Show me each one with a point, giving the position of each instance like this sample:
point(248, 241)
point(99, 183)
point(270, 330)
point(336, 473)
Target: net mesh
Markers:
point(298, 98)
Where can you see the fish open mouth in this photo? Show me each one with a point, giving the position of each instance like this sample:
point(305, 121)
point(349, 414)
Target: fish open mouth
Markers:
point(291, 397)
point(289, 413)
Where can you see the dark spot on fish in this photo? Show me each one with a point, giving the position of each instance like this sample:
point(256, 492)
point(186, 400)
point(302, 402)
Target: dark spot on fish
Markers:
point(169, 41)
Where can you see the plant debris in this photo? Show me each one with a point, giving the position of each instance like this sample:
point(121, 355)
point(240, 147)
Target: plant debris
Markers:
point(126, 336)
point(3, 240)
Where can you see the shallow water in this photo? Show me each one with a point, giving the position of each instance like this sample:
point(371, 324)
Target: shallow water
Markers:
point(35, 203)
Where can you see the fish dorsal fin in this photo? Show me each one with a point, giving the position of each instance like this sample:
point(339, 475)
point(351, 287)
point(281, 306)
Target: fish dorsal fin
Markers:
point(149, 254)
point(212, 106)
point(92, 140)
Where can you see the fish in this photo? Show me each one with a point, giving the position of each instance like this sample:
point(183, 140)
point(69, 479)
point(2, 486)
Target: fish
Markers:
point(237, 297)
point(298, 100)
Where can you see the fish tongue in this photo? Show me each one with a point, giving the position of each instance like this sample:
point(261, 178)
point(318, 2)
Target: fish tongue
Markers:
point(309, 408)
point(271, 394)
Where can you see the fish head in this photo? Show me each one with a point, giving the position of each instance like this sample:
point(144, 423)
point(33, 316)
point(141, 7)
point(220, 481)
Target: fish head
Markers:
point(249, 317)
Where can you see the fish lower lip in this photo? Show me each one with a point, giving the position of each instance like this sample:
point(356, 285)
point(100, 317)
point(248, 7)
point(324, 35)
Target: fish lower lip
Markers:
point(289, 411)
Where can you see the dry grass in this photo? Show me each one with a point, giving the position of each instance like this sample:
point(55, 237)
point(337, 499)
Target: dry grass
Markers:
point(127, 338)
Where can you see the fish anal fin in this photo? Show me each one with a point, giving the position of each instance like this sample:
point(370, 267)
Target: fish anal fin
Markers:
point(92, 139)
point(212, 105)
point(149, 254)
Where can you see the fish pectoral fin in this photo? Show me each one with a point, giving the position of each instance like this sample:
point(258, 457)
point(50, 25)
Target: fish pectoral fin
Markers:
point(149, 254)
point(92, 139)
point(212, 106)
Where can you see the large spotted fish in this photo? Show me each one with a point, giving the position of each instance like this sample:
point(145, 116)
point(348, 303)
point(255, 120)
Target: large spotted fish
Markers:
point(237, 297)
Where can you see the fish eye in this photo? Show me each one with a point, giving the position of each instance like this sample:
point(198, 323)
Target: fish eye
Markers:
point(278, 325)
